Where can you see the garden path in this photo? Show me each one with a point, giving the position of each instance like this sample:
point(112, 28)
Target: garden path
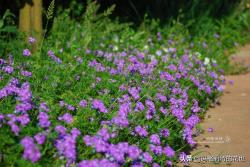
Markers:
point(230, 120)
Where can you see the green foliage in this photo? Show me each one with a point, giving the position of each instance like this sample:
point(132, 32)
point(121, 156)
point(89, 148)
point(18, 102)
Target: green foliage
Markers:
point(9, 37)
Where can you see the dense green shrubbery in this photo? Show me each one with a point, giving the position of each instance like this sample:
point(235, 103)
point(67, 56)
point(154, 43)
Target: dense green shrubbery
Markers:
point(106, 93)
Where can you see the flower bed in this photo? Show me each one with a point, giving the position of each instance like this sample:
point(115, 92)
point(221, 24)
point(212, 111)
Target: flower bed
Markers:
point(108, 107)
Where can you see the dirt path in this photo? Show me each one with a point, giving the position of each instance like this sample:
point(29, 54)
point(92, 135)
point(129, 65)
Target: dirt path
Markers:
point(229, 122)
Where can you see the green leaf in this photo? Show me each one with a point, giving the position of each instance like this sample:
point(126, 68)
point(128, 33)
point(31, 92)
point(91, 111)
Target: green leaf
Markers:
point(1, 23)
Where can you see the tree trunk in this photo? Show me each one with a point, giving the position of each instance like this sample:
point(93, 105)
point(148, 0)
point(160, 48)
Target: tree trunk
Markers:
point(30, 19)
point(36, 19)
point(24, 18)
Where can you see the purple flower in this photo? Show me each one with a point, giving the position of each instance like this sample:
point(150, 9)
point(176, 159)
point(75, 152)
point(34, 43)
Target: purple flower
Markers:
point(169, 151)
point(60, 129)
point(187, 134)
point(26, 52)
point(192, 121)
point(150, 105)
point(66, 117)
point(172, 67)
point(156, 165)
point(66, 146)
point(216, 35)
point(141, 131)
point(210, 129)
point(23, 119)
point(104, 134)
point(99, 163)
point(43, 120)
point(75, 133)
point(139, 106)
point(156, 149)
point(31, 152)
point(155, 139)
point(23, 107)
point(147, 157)
point(83, 103)
point(98, 105)
point(231, 82)
point(167, 76)
point(134, 152)
point(61, 103)
point(43, 106)
point(165, 132)
point(70, 107)
point(32, 40)
point(52, 55)
point(134, 92)
point(122, 87)
point(26, 73)
point(195, 108)
point(161, 97)
point(169, 163)
point(8, 69)
point(79, 59)
point(14, 128)
point(40, 138)
point(120, 121)
point(163, 111)
point(137, 164)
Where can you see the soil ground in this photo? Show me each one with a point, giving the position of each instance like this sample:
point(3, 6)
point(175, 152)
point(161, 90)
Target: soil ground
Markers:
point(229, 122)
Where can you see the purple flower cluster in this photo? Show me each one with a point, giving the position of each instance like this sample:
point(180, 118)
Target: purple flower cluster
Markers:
point(66, 118)
point(31, 152)
point(161, 97)
point(43, 107)
point(141, 131)
point(26, 73)
point(52, 55)
point(98, 105)
point(118, 151)
point(24, 97)
point(66, 144)
point(155, 139)
point(68, 106)
point(98, 66)
point(8, 69)
point(83, 103)
point(139, 106)
point(26, 52)
point(97, 162)
point(134, 92)
point(40, 138)
point(32, 40)
point(43, 118)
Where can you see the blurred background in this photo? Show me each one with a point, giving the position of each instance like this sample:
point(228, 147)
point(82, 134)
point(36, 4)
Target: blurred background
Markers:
point(188, 18)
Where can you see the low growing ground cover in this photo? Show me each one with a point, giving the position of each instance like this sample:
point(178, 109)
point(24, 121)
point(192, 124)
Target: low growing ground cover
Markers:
point(106, 107)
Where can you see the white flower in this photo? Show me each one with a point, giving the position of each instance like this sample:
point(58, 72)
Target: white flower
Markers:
point(146, 47)
point(207, 61)
point(158, 52)
point(165, 50)
point(198, 54)
point(152, 57)
point(214, 61)
point(115, 48)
